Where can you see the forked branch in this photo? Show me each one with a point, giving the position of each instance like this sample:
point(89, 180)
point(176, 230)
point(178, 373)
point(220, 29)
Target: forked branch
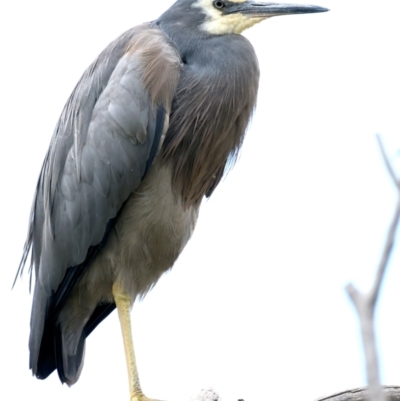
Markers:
point(365, 303)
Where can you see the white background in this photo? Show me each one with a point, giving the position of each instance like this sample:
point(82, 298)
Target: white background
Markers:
point(255, 306)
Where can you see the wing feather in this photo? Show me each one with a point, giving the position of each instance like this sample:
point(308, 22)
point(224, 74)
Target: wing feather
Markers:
point(105, 141)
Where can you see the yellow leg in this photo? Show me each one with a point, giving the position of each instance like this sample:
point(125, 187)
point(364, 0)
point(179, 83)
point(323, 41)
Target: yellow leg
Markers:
point(123, 302)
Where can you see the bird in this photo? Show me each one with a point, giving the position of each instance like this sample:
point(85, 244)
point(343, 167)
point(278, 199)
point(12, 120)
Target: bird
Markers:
point(149, 131)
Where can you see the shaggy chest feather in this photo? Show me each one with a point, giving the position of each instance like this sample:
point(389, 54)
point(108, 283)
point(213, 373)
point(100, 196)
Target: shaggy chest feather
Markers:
point(210, 112)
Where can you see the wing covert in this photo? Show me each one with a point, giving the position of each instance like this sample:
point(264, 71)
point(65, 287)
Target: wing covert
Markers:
point(105, 141)
point(99, 151)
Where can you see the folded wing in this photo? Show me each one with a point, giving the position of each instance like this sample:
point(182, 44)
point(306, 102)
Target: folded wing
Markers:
point(104, 143)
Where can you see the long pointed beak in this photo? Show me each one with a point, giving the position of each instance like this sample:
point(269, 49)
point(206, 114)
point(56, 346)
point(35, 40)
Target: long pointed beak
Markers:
point(264, 10)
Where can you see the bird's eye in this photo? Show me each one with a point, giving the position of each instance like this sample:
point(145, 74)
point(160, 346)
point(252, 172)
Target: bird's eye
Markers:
point(219, 4)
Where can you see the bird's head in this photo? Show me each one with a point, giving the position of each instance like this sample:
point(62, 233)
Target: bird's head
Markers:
point(221, 17)
point(234, 16)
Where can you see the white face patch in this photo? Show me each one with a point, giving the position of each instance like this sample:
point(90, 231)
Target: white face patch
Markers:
point(219, 24)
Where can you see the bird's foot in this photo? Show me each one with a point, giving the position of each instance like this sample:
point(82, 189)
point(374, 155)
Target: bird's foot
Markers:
point(141, 397)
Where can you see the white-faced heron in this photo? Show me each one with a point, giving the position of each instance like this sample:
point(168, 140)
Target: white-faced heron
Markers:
point(146, 134)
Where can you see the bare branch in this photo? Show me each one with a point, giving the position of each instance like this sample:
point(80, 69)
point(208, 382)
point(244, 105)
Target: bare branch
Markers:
point(392, 229)
point(389, 167)
point(365, 312)
point(392, 393)
point(365, 303)
point(386, 252)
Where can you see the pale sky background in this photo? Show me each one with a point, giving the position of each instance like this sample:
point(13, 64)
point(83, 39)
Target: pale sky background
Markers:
point(255, 306)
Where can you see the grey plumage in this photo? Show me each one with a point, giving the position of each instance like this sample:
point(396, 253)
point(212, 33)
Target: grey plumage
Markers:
point(147, 132)
point(97, 158)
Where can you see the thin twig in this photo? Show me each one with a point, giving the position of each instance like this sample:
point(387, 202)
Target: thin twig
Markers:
point(365, 303)
point(389, 167)
point(386, 253)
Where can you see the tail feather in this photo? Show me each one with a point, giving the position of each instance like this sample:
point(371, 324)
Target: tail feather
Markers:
point(69, 366)
point(56, 353)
